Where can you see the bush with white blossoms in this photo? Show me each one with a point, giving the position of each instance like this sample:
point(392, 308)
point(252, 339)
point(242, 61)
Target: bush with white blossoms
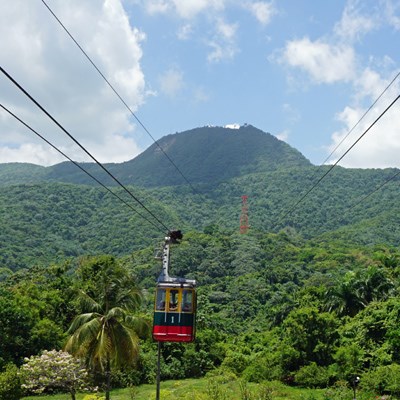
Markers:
point(54, 370)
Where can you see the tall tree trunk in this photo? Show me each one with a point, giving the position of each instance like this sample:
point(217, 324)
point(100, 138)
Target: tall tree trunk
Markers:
point(108, 378)
point(73, 396)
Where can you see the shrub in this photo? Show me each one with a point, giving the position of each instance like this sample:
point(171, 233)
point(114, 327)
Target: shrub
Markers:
point(236, 362)
point(383, 379)
point(312, 375)
point(262, 369)
point(10, 384)
point(54, 370)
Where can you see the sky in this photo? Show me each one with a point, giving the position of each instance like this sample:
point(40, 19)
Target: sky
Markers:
point(305, 71)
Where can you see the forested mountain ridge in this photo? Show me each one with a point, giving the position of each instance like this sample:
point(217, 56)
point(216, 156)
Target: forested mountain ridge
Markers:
point(48, 222)
point(203, 155)
point(44, 220)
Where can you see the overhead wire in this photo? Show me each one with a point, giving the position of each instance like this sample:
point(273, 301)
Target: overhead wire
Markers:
point(359, 121)
point(365, 197)
point(119, 96)
point(373, 191)
point(340, 143)
point(77, 165)
point(82, 147)
point(336, 163)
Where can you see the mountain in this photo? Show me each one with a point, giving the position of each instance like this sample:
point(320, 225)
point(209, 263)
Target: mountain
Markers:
point(203, 155)
point(50, 213)
point(210, 155)
point(17, 173)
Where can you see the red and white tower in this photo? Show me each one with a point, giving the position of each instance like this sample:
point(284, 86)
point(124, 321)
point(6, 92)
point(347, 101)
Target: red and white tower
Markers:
point(244, 216)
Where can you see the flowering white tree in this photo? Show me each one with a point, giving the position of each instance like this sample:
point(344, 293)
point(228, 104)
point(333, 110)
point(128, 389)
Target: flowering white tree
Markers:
point(54, 370)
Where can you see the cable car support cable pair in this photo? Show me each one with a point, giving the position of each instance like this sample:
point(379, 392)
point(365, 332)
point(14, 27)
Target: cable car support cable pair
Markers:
point(83, 148)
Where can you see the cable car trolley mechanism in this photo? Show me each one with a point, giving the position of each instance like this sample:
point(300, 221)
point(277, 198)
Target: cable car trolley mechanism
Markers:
point(175, 302)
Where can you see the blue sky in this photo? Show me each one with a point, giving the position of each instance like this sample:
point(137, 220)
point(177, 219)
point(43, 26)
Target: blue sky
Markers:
point(304, 71)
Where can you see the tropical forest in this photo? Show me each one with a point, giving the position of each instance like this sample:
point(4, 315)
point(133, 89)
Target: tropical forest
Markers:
point(297, 277)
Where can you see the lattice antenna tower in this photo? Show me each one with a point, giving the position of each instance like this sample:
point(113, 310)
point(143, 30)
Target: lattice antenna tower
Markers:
point(244, 216)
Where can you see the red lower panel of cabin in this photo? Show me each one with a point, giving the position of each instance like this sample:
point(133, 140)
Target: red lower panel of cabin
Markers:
point(173, 333)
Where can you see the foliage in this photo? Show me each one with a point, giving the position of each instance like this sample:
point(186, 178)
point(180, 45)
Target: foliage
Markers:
point(313, 375)
point(384, 379)
point(262, 311)
point(10, 383)
point(340, 391)
point(349, 361)
point(60, 215)
point(106, 333)
point(54, 370)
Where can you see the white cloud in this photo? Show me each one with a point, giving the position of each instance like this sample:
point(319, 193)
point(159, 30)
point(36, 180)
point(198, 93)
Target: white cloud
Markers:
point(30, 153)
point(379, 148)
point(191, 8)
point(369, 84)
point(223, 44)
point(226, 30)
point(171, 82)
point(393, 13)
point(200, 95)
point(263, 11)
point(354, 24)
point(284, 135)
point(185, 32)
point(332, 59)
point(324, 63)
point(157, 6)
point(44, 60)
point(292, 114)
point(185, 9)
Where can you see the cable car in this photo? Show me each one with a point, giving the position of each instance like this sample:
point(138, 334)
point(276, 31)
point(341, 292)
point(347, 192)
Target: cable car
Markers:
point(175, 302)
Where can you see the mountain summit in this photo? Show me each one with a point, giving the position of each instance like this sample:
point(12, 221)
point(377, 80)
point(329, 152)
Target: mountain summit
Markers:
point(210, 154)
point(203, 155)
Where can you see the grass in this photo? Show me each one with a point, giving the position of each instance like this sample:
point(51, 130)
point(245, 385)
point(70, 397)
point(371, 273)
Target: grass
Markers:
point(195, 389)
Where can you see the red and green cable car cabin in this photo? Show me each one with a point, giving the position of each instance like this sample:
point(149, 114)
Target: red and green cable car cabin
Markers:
point(174, 312)
point(174, 305)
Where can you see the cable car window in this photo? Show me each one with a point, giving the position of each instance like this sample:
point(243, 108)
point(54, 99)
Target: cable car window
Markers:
point(173, 300)
point(160, 302)
point(187, 301)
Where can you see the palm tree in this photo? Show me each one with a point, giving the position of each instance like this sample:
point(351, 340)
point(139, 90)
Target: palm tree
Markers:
point(374, 285)
point(106, 333)
point(343, 297)
point(356, 290)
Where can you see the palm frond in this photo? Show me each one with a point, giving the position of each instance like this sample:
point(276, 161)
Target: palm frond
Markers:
point(82, 319)
point(88, 303)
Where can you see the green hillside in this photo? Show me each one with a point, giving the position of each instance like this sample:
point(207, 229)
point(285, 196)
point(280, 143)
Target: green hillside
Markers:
point(309, 297)
point(50, 221)
point(17, 173)
point(44, 219)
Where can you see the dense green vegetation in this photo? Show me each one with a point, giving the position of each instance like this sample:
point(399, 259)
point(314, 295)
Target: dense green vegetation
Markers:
point(43, 219)
point(271, 307)
point(307, 299)
point(41, 223)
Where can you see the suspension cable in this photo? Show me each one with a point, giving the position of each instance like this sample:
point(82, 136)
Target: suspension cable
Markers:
point(119, 96)
point(82, 147)
point(77, 164)
point(336, 163)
